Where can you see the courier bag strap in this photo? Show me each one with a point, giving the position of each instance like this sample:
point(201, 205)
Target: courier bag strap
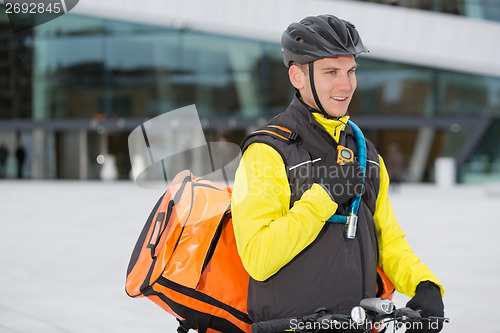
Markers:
point(278, 132)
point(285, 135)
point(202, 323)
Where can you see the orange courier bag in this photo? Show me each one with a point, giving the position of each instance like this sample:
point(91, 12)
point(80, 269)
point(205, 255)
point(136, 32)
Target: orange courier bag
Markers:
point(186, 259)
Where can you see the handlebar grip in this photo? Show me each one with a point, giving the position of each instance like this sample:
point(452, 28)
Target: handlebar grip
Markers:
point(272, 326)
point(409, 313)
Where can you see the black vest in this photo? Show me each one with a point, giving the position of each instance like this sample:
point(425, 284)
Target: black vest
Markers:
point(332, 272)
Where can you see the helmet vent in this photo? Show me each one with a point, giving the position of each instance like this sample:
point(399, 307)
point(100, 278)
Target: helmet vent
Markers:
point(354, 36)
point(340, 29)
point(324, 36)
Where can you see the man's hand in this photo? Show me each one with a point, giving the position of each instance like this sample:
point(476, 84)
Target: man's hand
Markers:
point(342, 181)
point(428, 300)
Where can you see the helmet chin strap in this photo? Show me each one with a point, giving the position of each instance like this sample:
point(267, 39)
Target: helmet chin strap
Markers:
point(320, 109)
point(315, 94)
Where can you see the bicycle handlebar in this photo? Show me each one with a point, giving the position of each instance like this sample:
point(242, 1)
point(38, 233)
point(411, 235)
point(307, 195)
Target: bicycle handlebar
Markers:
point(402, 315)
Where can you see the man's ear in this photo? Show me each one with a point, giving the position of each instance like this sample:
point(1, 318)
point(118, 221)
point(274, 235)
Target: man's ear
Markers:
point(297, 76)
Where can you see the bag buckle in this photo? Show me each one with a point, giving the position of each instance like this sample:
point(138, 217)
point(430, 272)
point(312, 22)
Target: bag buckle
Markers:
point(294, 136)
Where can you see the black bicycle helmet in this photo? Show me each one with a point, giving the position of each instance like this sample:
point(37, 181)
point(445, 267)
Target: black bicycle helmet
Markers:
point(317, 37)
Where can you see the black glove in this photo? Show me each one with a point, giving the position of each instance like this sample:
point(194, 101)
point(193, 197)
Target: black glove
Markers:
point(428, 300)
point(342, 181)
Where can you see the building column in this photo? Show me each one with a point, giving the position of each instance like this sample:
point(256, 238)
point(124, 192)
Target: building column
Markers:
point(241, 66)
point(84, 154)
point(420, 153)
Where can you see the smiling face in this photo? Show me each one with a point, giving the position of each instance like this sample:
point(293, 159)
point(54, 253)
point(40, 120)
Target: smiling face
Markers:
point(335, 82)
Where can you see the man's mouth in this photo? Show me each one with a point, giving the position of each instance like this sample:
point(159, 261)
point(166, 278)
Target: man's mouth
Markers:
point(340, 99)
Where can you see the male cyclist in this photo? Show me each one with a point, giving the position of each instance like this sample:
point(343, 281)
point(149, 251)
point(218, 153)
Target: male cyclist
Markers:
point(285, 191)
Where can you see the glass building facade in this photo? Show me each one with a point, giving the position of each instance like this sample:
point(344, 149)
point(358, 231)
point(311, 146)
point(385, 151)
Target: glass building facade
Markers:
point(478, 9)
point(74, 88)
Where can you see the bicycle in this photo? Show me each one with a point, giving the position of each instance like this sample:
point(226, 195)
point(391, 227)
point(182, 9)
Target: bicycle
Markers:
point(371, 315)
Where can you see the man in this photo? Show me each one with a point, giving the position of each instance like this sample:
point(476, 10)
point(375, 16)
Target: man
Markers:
point(284, 192)
point(20, 157)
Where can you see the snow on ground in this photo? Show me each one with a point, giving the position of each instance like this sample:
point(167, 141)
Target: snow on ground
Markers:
point(65, 247)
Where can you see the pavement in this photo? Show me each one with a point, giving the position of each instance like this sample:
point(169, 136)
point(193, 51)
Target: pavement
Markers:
point(65, 247)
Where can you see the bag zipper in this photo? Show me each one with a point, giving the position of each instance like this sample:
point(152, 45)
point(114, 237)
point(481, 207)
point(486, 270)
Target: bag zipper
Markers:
point(213, 243)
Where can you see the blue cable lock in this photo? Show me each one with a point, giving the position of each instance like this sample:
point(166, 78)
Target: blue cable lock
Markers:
point(351, 220)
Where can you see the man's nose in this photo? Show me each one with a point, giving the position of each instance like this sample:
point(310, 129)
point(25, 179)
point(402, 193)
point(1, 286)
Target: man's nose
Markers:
point(345, 83)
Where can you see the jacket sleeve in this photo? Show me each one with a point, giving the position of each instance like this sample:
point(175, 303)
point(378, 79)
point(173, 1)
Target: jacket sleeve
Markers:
point(402, 266)
point(268, 232)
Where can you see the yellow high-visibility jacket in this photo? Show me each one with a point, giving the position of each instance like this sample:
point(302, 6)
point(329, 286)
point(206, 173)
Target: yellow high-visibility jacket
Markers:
point(269, 233)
